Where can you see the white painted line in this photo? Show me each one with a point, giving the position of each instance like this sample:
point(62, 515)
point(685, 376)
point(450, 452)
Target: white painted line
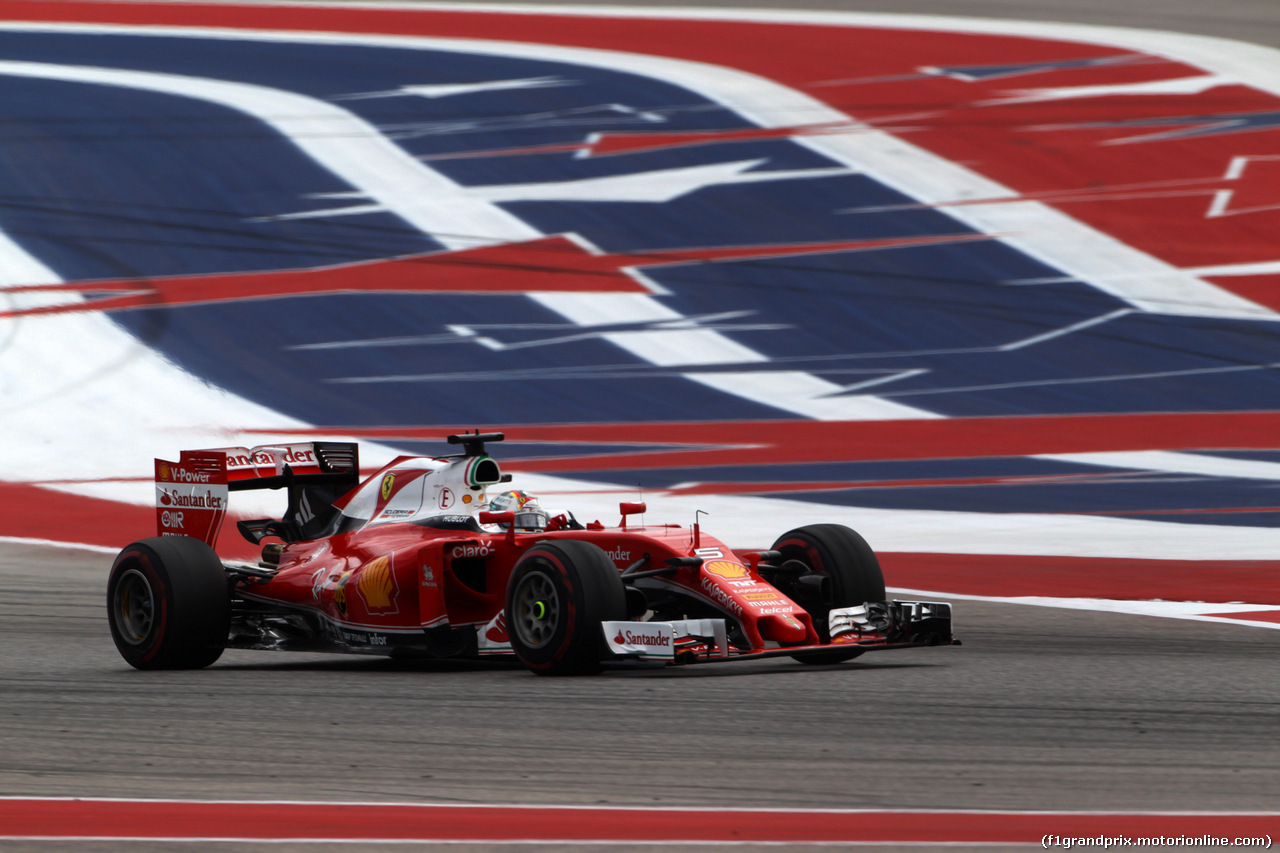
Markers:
point(656, 187)
point(1065, 330)
point(583, 807)
point(1194, 611)
point(1179, 86)
point(449, 90)
point(1175, 463)
point(1258, 268)
point(49, 543)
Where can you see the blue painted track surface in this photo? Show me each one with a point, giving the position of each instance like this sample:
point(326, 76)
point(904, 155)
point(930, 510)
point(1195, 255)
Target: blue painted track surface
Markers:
point(105, 182)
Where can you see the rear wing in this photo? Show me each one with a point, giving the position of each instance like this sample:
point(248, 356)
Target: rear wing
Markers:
point(192, 493)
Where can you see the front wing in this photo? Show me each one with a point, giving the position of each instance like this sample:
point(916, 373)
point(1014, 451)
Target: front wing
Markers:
point(864, 627)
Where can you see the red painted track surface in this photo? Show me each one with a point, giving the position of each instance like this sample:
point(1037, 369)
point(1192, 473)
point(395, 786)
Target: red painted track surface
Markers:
point(1141, 203)
point(1167, 221)
point(38, 513)
point(30, 818)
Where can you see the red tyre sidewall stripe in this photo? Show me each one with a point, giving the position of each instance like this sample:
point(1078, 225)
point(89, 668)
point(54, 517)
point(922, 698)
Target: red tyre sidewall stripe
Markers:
point(570, 609)
point(158, 595)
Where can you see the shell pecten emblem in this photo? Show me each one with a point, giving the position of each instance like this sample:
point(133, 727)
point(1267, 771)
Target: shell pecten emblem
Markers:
point(725, 569)
point(377, 586)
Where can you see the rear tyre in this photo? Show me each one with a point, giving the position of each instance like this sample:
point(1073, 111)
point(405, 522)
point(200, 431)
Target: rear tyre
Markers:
point(557, 596)
point(168, 604)
point(850, 567)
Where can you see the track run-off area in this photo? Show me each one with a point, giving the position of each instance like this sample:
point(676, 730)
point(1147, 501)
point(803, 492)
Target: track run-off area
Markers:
point(1002, 295)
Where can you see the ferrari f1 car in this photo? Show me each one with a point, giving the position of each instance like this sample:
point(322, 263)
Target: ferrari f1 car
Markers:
point(418, 560)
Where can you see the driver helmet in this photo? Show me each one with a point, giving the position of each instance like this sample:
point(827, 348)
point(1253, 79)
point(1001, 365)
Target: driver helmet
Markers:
point(529, 513)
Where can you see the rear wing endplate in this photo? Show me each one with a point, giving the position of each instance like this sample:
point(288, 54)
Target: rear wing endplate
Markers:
point(192, 493)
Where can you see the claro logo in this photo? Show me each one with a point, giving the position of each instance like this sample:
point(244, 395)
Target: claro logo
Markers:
point(473, 549)
point(626, 638)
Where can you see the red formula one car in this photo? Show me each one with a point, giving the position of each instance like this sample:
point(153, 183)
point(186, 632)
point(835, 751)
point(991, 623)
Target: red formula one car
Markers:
point(419, 560)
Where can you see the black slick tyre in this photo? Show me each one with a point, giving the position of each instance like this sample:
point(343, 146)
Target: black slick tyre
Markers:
point(850, 567)
point(168, 604)
point(558, 594)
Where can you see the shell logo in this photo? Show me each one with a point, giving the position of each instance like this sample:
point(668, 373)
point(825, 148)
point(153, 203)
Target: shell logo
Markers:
point(388, 482)
point(377, 585)
point(164, 471)
point(725, 569)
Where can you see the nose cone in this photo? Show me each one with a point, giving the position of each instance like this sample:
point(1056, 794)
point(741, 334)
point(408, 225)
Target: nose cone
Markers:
point(783, 627)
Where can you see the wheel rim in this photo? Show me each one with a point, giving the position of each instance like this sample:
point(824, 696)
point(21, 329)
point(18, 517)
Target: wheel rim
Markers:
point(537, 610)
point(134, 607)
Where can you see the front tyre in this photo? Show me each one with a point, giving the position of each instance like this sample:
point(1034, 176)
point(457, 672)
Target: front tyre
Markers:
point(557, 596)
point(168, 604)
point(852, 574)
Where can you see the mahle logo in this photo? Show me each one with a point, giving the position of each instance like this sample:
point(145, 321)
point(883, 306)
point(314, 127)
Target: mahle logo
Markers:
point(388, 483)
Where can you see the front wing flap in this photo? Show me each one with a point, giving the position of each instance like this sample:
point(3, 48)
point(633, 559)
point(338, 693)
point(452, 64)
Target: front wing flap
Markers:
point(865, 627)
point(891, 623)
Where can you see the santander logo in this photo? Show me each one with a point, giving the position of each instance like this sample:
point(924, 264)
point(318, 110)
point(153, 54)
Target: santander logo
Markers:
point(626, 638)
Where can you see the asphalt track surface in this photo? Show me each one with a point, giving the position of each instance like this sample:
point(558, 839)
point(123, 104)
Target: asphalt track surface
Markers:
point(1041, 709)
